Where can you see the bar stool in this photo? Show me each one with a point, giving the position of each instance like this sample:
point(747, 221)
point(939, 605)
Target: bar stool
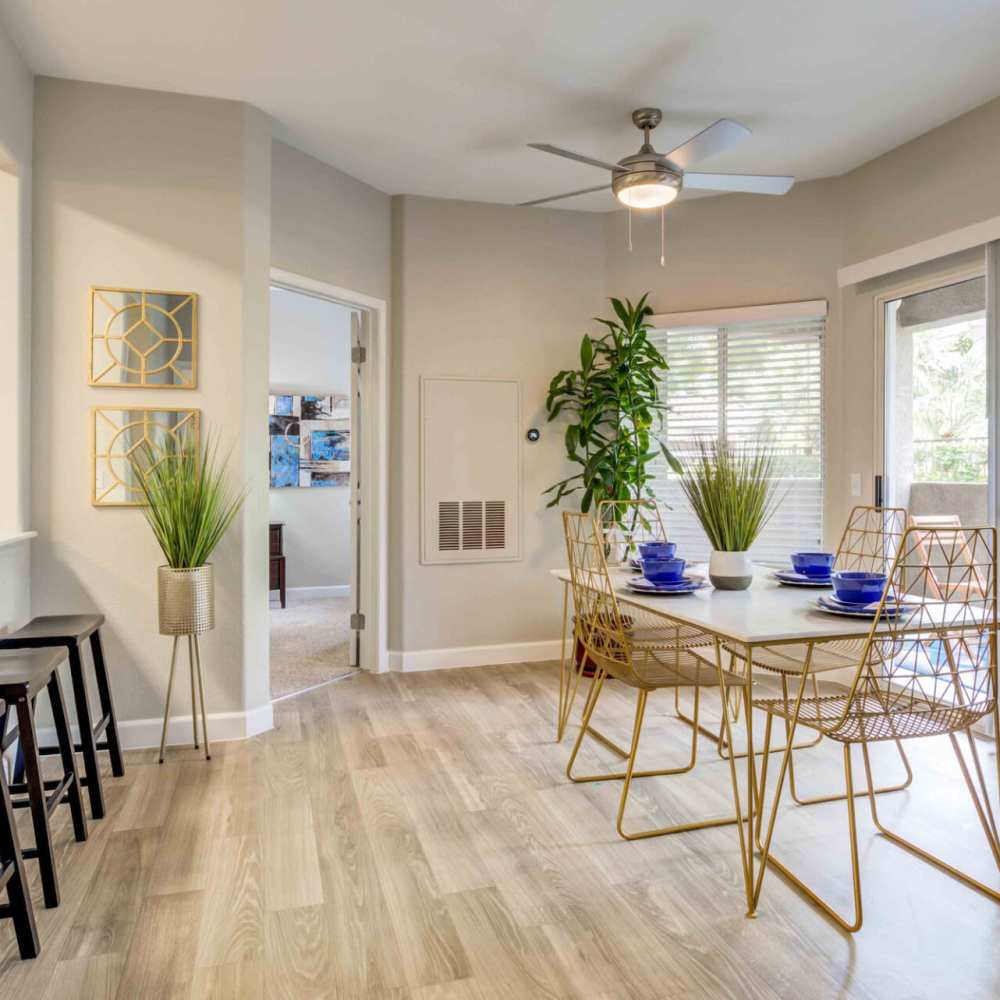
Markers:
point(12, 874)
point(69, 632)
point(24, 675)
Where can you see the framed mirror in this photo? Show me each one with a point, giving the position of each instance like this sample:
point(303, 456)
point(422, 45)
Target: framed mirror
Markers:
point(140, 337)
point(123, 439)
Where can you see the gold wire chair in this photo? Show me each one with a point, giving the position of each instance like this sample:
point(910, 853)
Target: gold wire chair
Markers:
point(626, 523)
point(927, 668)
point(644, 651)
point(869, 543)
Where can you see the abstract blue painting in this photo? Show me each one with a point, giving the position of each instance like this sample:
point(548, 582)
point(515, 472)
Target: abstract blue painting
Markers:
point(284, 460)
point(330, 446)
point(310, 440)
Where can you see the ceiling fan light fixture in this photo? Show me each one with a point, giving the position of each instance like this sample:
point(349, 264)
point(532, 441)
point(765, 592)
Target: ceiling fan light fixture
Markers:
point(646, 188)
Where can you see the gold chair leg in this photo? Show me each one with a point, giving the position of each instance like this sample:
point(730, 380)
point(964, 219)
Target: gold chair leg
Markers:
point(719, 739)
point(627, 775)
point(849, 925)
point(768, 859)
point(926, 855)
point(588, 730)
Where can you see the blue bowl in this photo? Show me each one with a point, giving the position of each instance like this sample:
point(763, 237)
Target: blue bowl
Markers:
point(858, 588)
point(657, 550)
point(663, 570)
point(813, 563)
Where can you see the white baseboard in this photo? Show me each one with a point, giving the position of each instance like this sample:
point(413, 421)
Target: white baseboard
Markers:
point(339, 590)
point(474, 656)
point(139, 734)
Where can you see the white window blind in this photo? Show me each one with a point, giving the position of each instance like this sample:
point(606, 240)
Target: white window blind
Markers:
point(745, 382)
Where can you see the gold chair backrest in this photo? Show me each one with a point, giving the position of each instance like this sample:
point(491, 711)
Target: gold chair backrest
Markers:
point(625, 523)
point(598, 616)
point(933, 669)
point(871, 539)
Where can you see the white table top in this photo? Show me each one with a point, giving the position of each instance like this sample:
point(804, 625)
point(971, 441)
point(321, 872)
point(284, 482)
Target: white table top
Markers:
point(765, 613)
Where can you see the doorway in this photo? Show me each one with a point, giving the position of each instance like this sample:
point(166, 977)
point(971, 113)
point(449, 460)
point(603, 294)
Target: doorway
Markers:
point(365, 494)
point(311, 412)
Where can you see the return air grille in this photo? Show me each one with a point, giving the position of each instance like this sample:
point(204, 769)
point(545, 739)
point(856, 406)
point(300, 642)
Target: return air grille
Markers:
point(470, 451)
point(496, 524)
point(472, 525)
point(449, 537)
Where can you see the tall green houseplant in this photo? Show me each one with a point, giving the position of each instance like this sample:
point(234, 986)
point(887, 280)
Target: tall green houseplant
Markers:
point(614, 409)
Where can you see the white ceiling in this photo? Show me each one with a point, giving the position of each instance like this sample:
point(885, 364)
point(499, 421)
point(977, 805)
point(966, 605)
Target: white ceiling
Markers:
point(439, 97)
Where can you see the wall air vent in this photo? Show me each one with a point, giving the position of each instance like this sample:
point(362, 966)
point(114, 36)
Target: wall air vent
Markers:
point(470, 463)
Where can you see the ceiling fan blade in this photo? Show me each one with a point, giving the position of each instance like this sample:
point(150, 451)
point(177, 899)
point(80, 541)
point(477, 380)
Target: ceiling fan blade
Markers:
point(569, 194)
point(748, 183)
point(717, 137)
point(556, 151)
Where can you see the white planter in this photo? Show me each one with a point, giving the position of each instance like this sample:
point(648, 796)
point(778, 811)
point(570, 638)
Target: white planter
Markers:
point(730, 570)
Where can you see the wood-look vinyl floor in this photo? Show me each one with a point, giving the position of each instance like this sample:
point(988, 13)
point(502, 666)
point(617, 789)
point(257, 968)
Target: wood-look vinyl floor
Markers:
point(413, 837)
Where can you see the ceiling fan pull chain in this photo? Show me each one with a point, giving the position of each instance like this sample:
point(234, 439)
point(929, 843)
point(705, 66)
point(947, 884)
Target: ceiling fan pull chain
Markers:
point(630, 229)
point(663, 259)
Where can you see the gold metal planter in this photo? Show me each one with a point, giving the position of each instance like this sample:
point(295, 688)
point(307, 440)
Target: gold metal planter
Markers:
point(187, 608)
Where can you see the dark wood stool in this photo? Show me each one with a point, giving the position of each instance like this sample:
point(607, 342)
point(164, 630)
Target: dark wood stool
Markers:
point(24, 674)
point(12, 874)
point(69, 632)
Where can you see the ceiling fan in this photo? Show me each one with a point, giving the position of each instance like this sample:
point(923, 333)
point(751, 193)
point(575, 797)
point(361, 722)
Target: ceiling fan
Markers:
point(649, 179)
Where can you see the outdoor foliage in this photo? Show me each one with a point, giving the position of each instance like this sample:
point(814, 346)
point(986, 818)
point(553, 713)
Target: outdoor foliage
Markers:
point(190, 500)
point(949, 404)
point(612, 401)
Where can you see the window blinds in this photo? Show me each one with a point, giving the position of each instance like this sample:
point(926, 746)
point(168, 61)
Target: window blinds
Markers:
point(745, 382)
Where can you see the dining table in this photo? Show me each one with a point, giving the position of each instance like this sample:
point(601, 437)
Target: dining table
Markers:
point(766, 614)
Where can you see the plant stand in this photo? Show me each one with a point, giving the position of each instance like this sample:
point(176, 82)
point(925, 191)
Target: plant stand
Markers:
point(194, 664)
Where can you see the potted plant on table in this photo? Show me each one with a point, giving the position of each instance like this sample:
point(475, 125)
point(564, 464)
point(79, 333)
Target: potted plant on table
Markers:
point(190, 504)
point(732, 490)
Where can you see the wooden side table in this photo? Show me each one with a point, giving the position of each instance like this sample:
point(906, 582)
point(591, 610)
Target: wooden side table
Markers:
point(277, 550)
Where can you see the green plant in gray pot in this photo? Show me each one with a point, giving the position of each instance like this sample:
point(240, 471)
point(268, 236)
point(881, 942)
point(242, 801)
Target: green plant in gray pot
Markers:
point(732, 489)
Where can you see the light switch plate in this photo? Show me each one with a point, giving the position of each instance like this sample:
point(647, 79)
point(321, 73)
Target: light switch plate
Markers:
point(855, 484)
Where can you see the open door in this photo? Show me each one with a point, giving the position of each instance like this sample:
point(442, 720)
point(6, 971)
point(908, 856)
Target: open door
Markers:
point(359, 351)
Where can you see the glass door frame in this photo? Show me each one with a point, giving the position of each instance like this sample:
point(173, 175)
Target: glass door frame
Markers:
point(987, 268)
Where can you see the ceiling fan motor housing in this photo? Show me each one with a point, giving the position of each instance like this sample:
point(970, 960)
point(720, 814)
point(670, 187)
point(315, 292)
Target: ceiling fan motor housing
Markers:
point(643, 169)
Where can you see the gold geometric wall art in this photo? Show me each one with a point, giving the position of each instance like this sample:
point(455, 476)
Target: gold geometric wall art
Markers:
point(143, 338)
point(119, 437)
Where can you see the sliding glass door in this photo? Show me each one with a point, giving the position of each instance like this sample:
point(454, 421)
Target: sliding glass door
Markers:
point(938, 438)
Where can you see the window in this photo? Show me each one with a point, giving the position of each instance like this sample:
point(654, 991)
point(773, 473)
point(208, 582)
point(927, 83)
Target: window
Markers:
point(744, 381)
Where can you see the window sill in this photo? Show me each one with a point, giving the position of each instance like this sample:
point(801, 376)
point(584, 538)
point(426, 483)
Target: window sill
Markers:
point(7, 541)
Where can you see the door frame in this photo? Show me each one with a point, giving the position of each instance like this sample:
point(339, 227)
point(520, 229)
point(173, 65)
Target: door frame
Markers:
point(374, 457)
point(926, 283)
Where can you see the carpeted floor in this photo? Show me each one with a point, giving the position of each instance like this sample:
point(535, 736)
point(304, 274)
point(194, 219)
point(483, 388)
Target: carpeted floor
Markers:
point(309, 642)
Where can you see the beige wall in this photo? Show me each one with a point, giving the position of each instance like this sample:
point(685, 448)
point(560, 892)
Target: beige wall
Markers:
point(484, 290)
point(327, 225)
point(144, 189)
point(16, 88)
point(943, 180)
